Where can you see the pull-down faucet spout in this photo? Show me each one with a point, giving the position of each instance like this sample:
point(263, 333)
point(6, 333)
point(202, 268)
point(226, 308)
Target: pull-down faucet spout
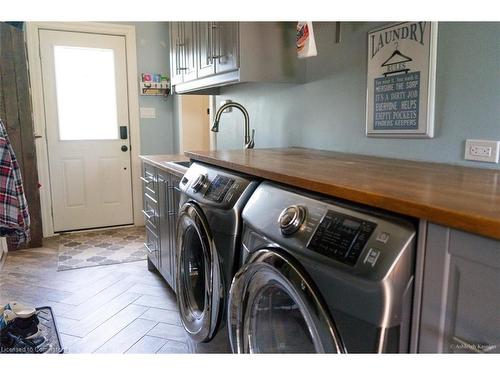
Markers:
point(249, 139)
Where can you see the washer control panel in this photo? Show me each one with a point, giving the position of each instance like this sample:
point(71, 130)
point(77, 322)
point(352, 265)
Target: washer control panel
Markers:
point(215, 186)
point(341, 237)
point(291, 219)
point(199, 182)
point(218, 188)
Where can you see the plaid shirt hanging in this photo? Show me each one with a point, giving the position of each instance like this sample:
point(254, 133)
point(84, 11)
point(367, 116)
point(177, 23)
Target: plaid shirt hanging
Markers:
point(14, 215)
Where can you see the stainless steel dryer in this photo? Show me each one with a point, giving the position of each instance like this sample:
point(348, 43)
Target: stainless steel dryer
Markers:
point(208, 250)
point(320, 275)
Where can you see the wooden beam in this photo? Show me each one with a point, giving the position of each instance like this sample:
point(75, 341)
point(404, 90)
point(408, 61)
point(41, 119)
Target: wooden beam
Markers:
point(15, 110)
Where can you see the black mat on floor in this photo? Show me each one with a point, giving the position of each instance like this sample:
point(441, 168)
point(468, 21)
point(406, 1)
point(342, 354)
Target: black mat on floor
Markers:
point(48, 329)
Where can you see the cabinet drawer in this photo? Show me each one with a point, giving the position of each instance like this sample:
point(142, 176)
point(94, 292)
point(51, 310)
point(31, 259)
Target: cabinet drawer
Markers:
point(150, 181)
point(151, 244)
point(150, 212)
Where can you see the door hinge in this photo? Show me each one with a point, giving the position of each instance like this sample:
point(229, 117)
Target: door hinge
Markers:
point(208, 111)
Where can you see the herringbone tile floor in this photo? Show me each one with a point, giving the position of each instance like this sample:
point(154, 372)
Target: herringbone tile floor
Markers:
point(121, 308)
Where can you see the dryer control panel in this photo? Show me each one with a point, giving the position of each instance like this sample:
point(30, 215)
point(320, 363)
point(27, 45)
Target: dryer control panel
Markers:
point(341, 237)
point(331, 233)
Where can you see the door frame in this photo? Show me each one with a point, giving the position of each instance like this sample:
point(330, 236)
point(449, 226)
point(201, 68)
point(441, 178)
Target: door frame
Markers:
point(212, 109)
point(39, 123)
point(180, 108)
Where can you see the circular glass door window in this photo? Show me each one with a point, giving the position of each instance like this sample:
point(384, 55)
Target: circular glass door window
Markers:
point(277, 325)
point(194, 272)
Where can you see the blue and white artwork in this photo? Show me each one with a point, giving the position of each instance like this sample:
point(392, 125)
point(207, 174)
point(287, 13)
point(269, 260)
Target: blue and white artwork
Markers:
point(396, 101)
point(401, 76)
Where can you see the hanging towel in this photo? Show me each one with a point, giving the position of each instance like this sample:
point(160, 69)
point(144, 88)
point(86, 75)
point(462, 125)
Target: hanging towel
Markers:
point(14, 215)
point(306, 45)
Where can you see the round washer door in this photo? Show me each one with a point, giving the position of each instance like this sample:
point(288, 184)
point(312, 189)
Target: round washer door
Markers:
point(198, 281)
point(274, 308)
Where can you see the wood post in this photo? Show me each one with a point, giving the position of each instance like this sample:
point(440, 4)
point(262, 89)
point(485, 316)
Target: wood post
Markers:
point(15, 111)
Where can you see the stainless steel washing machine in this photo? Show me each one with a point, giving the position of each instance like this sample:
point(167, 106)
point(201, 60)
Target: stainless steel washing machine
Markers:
point(208, 250)
point(320, 275)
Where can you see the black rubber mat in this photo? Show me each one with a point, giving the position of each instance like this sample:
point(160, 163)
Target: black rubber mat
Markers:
point(47, 329)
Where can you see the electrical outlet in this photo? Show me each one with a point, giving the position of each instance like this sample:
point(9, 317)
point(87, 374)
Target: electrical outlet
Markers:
point(482, 150)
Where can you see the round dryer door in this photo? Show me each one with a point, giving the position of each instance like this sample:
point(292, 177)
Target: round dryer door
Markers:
point(198, 283)
point(274, 308)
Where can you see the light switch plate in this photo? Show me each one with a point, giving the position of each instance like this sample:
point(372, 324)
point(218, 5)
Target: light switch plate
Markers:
point(147, 112)
point(482, 150)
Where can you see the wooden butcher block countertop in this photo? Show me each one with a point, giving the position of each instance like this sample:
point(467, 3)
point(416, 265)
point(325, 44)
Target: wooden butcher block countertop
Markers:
point(165, 162)
point(459, 197)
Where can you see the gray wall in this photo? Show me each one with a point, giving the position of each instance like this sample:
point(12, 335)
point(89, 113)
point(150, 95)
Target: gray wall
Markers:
point(328, 112)
point(157, 135)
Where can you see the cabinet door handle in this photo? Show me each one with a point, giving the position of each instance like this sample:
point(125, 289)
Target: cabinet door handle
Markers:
point(167, 197)
point(474, 347)
point(219, 43)
point(149, 214)
point(148, 248)
point(170, 199)
point(210, 60)
point(180, 62)
point(184, 54)
point(183, 44)
point(215, 41)
point(146, 180)
point(178, 56)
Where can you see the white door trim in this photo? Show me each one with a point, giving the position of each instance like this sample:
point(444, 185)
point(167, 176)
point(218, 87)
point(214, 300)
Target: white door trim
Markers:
point(213, 109)
point(37, 99)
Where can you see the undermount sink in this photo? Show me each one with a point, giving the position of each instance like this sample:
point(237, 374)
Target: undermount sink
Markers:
point(183, 163)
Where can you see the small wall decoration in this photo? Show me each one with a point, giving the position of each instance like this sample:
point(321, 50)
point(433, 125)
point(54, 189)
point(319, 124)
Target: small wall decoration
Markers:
point(154, 84)
point(401, 80)
point(305, 43)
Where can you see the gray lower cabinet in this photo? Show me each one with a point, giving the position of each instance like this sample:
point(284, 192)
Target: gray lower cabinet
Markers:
point(150, 210)
point(161, 221)
point(461, 293)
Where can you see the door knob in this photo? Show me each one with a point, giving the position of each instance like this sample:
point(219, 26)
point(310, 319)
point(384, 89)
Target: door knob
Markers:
point(124, 148)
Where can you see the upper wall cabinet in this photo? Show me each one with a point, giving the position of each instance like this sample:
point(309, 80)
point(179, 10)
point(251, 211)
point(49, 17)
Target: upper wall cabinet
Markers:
point(207, 55)
point(182, 52)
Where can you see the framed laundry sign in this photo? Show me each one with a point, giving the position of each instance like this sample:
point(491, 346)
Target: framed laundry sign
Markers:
point(401, 80)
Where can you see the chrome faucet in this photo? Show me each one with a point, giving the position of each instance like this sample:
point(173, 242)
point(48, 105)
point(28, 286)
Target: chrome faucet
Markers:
point(249, 140)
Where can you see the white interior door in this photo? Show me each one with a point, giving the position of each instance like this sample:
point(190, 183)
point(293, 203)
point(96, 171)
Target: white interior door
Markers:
point(85, 96)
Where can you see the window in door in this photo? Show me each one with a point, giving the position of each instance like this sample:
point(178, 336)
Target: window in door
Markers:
point(86, 93)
